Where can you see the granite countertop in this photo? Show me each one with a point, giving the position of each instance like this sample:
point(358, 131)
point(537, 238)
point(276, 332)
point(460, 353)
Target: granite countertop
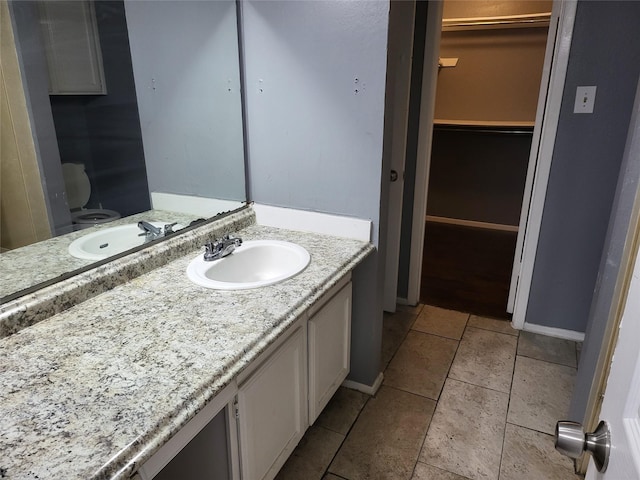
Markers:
point(94, 391)
point(36, 263)
point(46, 302)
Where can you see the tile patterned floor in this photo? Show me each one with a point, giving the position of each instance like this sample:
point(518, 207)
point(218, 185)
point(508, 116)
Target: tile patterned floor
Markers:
point(464, 398)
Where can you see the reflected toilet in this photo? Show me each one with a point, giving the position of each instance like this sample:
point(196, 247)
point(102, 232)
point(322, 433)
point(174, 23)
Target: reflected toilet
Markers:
point(78, 189)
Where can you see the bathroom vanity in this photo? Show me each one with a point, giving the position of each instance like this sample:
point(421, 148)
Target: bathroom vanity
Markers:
point(160, 375)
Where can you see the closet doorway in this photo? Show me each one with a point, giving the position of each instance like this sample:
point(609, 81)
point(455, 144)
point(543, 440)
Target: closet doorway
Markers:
point(491, 61)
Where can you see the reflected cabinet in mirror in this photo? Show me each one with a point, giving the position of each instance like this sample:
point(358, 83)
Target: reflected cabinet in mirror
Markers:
point(115, 113)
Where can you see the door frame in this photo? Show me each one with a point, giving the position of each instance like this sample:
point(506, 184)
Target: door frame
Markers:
point(543, 143)
point(399, 66)
point(611, 295)
point(546, 123)
point(425, 137)
point(611, 334)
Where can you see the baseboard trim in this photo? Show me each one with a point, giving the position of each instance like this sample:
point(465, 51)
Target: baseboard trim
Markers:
point(553, 332)
point(313, 222)
point(472, 223)
point(361, 387)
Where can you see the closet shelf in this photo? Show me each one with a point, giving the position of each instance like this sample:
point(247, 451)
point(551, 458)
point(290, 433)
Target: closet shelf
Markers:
point(497, 22)
point(492, 124)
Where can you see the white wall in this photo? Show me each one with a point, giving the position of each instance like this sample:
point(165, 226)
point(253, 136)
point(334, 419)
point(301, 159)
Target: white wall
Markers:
point(315, 74)
point(186, 69)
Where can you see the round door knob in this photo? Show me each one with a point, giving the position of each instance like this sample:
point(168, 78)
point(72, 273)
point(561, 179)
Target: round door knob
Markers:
point(572, 442)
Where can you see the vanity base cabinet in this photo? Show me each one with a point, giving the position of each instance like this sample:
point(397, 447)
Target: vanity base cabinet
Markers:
point(272, 408)
point(249, 429)
point(206, 456)
point(205, 448)
point(329, 350)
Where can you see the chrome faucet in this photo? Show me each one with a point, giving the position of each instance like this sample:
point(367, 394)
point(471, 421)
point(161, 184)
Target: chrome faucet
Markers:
point(151, 232)
point(221, 248)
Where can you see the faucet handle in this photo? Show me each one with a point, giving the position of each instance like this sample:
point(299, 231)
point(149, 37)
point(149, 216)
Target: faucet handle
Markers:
point(168, 228)
point(211, 250)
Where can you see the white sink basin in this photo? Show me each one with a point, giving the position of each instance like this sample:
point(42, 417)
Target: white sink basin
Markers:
point(110, 241)
point(253, 264)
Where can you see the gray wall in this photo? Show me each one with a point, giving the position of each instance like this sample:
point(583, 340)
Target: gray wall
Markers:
point(603, 302)
point(586, 162)
point(315, 75)
point(186, 69)
point(103, 131)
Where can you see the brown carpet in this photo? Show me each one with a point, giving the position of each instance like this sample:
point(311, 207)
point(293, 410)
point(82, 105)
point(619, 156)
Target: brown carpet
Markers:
point(467, 269)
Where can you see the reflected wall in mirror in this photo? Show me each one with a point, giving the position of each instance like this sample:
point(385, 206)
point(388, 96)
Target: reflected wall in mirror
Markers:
point(116, 112)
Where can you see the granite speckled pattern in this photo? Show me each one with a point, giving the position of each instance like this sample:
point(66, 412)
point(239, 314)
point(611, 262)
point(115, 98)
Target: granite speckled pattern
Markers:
point(36, 263)
point(48, 301)
point(93, 392)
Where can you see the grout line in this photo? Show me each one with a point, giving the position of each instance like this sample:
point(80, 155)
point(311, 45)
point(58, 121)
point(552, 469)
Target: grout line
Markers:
point(506, 416)
point(547, 361)
point(532, 429)
point(326, 470)
point(404, 337)
point(437, 401)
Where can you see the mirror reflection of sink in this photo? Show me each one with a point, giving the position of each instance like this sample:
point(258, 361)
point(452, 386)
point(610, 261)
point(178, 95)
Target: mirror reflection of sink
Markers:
point(255, 263)
point(111, 241)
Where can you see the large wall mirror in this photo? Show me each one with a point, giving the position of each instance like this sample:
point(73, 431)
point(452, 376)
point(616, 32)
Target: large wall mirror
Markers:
point(115, 113)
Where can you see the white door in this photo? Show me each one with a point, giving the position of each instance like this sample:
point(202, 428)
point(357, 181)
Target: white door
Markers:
point(401, 21)
point(621, 405)
point(554, 72)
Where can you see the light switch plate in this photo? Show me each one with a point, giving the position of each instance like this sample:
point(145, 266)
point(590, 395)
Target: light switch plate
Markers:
point(585, 100)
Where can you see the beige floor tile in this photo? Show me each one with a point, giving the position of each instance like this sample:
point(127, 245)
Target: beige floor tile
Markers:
point(541, 394)
point(342, 410)
point(394, 328)
point(427, 472)
point(438, 321)
point(385, 441)
point(549, 349)
point(408, 308)
point(331, 476)
point(312, 456)
point(421, 364)
point(485, 359)
point(466, 434)
point(495, 325)
point(530, 454)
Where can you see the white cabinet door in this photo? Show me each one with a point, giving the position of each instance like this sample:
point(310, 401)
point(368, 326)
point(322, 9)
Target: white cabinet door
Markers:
point(72, 46)
point(329, 350)
point(272, 409)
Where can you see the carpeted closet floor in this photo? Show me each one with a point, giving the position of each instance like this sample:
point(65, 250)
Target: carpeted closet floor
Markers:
point(467, 269)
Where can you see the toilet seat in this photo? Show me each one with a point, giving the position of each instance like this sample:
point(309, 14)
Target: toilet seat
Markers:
point(78, 189)
point(94, 216)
